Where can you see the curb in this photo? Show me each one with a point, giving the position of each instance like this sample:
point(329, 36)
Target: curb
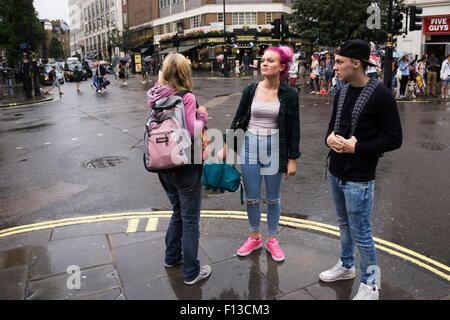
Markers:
point(12, 105)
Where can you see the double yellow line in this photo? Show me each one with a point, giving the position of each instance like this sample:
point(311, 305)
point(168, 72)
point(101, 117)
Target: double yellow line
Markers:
point(133, 219)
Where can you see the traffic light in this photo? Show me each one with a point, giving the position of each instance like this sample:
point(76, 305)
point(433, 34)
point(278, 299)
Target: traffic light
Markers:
point(275, 33)
point(176, 41)
point(398, 20)
point(284, 31)
point(413, 18)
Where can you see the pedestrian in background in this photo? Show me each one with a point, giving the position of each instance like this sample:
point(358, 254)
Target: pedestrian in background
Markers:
point(293, 72)
point(183, 185)
point(445, 77)
point(314, 75)
point(54, 79)
point(404, 67)
point(329, 64)
point(272, 109)
point(433, 67)
point(77, 78)
point(356, 143)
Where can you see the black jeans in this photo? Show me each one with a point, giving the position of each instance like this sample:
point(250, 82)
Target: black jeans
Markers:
point(403, 84)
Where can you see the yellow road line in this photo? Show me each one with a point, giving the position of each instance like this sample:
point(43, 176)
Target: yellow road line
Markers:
point(153, 216)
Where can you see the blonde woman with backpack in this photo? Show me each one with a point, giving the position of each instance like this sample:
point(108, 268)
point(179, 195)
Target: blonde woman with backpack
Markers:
point(183, 185)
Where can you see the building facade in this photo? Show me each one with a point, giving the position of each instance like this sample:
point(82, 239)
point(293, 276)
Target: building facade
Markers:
point(435, 34)
point(99, 18)
point(55, 29)
point(76, 28)
point(199, 26)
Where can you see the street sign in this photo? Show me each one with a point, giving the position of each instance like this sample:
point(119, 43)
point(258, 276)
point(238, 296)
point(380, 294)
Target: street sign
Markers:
point(23, 46)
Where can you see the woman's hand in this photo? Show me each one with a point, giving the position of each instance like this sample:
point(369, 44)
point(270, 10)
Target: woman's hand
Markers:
point(202, 109)
point(291, 169)
point(222, 154)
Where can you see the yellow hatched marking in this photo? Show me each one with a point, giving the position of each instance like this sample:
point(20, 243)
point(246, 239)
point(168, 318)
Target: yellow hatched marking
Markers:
point(151, 225)
point(132, 225)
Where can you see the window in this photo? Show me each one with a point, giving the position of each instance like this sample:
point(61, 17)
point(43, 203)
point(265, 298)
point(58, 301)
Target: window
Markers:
point(165, 3)
point(113, 16)
point(156, 30)
point(176, 1)
point(124, 2)
point(268, 17)
point(125, 18)
point(112, 3)
point(196, 21)
point(166, 28)
point(106, 4)
point(220, 17)
point(107, 18)
point(101, 6)
point(241, 18)
point(173, 26)
point(96, 7)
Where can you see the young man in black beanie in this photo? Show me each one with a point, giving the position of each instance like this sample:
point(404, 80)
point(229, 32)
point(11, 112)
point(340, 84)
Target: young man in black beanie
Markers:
point(364, 124)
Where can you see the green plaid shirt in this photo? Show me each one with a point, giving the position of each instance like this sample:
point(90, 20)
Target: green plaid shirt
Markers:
point(288, 120)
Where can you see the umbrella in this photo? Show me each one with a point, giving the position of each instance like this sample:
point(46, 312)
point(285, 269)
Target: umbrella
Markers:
point(396, 54)
point(149, 59)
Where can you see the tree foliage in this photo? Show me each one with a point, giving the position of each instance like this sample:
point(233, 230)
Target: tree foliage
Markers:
point(122, 40)
point(15, 28)
point(55, 49)
point(330, 23)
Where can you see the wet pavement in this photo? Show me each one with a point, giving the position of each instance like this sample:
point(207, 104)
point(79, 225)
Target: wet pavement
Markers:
point(123, 265)
point(44, 177)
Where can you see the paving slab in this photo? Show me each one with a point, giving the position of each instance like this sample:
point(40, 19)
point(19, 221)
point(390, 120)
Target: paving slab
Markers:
point(12, 283)
point(55, 257)
point(16, 257)
point(88, 229)
point(92, 280)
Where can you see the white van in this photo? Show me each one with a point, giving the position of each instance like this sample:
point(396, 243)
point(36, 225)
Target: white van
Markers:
point(72, 59)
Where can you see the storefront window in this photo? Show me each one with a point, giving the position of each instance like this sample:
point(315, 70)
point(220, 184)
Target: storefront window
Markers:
point(196, 21)
point(268, 17)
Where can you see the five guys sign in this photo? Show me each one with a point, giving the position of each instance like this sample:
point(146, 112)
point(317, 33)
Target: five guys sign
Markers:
point(436, 25)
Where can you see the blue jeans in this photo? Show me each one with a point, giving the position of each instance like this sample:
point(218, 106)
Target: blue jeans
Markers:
point(184, 189)
point(353, 209)
point(259, 159)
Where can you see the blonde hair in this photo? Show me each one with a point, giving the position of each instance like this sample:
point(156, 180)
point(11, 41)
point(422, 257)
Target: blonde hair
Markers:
point(176, 72)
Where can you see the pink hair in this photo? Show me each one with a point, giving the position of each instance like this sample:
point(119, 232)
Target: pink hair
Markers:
point(286, 56)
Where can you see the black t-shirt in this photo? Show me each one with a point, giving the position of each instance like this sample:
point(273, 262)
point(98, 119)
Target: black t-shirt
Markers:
point(378, 130)
point(52, 75)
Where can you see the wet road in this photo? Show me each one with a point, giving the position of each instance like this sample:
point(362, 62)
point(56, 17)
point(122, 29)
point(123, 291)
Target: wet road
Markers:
point(44, 149)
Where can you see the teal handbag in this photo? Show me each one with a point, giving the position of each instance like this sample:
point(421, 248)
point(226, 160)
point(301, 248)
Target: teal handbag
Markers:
point(221, 177)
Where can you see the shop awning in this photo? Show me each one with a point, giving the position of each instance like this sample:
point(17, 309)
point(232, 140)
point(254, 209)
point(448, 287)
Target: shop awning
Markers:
point(180, 49)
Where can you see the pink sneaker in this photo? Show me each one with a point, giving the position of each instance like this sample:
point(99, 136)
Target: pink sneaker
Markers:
point(274, 248)
point(249, 246)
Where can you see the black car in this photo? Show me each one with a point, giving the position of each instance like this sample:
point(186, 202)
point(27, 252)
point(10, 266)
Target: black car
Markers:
point(44, 79)
point(89, 66)
point(69, 68)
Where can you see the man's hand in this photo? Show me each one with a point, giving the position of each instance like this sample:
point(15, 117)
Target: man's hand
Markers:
point(334, 143)
point(291, 169)
point(348, 145)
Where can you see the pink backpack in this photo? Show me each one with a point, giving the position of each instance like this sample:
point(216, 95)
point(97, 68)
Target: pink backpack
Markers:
point(167, 140)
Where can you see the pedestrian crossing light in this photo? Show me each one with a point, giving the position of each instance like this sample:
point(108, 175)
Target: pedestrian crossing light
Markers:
point(398, 20)
point(413, 18)
point(275, 33)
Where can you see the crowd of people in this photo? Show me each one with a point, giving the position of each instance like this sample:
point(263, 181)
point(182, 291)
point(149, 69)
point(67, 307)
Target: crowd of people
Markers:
point(421, 75)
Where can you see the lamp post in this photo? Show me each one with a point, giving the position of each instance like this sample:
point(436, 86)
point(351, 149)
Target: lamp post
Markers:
point(225, 62)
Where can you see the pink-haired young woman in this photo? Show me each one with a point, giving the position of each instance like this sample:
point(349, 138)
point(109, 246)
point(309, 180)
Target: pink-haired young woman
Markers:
point(271, 144)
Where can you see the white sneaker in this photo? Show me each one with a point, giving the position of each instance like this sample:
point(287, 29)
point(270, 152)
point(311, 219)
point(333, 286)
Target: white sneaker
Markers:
point(338, 272)
point(366, 292)
point(205, 272)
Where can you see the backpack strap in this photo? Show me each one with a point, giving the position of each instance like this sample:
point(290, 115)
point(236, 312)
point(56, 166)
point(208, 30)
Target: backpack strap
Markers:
point(182, 93)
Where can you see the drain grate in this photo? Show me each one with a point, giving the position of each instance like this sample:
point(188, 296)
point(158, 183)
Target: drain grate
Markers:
point(433, 146)
point(105, 162)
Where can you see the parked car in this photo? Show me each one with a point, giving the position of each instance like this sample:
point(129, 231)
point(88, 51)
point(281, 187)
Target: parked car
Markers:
point(89, 66)
point(44, 70)
point(69, 68)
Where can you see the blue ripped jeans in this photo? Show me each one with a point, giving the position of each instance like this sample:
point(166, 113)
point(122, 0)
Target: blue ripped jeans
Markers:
point(259, 158)
point(353, 202)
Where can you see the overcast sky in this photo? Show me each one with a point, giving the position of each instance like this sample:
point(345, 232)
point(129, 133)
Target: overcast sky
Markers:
point(52, 9)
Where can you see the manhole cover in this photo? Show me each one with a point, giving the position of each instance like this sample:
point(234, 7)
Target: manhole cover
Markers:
point(105, 162)
point(433, 146)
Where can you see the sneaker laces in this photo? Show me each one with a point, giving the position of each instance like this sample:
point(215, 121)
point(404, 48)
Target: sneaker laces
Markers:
point(248, 243)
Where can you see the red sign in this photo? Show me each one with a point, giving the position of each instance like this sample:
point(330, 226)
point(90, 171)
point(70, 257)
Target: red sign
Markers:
point(436, 25)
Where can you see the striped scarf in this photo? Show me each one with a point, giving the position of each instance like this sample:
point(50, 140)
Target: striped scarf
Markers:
point(359, 105)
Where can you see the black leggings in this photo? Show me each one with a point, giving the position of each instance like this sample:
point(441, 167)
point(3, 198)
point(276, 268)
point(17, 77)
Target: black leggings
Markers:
point(403, 84)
